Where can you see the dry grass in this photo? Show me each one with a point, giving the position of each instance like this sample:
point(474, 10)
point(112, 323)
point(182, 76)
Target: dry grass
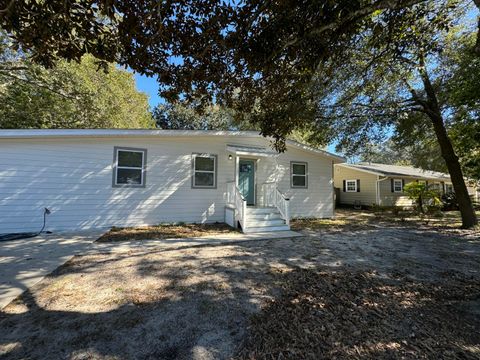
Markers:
point(352, 287)
point(165, 231)
point(359, 315)
point(348, 219)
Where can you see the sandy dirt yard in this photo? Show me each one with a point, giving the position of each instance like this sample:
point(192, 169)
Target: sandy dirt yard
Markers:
point(349, 288)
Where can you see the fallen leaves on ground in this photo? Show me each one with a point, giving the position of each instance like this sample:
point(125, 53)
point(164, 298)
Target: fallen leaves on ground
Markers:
point(165, 232)
point(360, 315)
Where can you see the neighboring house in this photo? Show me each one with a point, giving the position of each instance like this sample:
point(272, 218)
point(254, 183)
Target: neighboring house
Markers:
point(379, 184)
point(103, 178)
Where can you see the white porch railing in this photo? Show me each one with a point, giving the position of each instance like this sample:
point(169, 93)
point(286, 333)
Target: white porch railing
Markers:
point(272, 196)
point(235, 198)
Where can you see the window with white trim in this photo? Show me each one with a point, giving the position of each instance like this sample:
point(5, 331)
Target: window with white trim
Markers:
point(129, 167)
point(448, 188)
point(299, 173)
point(351, 185)
point(204, 168)
point(398, 185)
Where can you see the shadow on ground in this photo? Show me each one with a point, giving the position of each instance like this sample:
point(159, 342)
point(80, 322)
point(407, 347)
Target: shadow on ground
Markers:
point(196, 302)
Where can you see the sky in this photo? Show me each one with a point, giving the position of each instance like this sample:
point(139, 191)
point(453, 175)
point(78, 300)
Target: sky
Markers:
point(149, 85)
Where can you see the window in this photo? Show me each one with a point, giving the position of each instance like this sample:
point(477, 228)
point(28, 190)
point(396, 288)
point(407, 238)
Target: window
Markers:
point(448, 188)
point(351, 185)
point(204, 171)
point(436, 186)
point(398, 185)
point(129, 167)
point(299, 174)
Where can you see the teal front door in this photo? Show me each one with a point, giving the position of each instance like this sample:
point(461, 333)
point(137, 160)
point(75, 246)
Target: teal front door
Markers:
point(246, 180)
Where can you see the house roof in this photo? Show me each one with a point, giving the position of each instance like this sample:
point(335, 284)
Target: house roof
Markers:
point(75, 133)
point(397, 170)
point(251, 150)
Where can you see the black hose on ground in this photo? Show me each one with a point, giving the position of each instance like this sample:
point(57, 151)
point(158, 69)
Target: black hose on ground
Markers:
point(26, 235)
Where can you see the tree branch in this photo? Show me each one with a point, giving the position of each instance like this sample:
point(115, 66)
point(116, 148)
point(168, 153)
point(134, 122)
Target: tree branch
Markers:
point(355, 15)
point(42, 86)
point(13, 68)
point(7, 8)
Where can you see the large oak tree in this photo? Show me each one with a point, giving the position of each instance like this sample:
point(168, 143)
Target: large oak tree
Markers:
point(258, 57)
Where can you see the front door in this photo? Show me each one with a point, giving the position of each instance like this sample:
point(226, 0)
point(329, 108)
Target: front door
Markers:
point(246, 180)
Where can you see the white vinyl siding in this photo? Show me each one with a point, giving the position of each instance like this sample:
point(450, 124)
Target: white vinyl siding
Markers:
point(73, 178)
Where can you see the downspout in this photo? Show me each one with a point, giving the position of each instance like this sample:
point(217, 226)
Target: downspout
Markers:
point(378, 188)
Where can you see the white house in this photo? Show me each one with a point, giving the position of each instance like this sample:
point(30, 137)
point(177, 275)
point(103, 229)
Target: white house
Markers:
point(103, 178)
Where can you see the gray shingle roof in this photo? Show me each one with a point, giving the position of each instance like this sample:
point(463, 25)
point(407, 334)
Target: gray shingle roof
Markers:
point(397, 170)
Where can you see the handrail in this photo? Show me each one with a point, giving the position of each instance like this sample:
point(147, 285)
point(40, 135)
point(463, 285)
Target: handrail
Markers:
point(235, 198)
point(272, 196)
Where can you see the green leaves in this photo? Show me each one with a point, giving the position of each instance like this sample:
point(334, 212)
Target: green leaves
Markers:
point(71, 95)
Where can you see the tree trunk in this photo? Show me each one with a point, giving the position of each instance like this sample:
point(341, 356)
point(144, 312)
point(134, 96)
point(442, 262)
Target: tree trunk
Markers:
point(432, 109)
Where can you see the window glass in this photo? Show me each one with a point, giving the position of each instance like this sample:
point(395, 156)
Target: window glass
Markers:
point(130, 158)
point(204, 163)
point(397, 186)
point(129, 167)
point(204, 179)
point(352, 185)
point(299, 180)
point(129, 176)
point(204, 171)
point(299, 169)
point(299, 174)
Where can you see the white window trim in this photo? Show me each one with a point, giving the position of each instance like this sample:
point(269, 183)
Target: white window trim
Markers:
point(350, 181)
point(116, 167)
point(214, 171)
point(303, 163)
point(395, 181)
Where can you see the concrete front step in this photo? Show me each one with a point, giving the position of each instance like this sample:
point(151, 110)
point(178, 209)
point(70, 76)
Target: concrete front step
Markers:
point(258, 229)
point(261, 210)
point(256, 223)
point(264, 217)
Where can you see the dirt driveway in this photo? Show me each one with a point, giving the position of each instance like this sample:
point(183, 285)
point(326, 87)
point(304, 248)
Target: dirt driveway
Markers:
point(197, 302)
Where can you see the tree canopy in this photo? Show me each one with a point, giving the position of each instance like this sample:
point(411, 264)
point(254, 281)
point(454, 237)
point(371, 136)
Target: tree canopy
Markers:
point(70, 95)
point(256, 57)
point(336, 69)
point(413, 139)
point(186, 116)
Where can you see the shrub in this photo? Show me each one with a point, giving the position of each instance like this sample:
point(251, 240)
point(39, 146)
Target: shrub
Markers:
point(425, 198)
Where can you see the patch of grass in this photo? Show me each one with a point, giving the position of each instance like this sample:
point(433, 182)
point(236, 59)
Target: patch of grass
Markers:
point(165, 231)
point(347, 219)
point(360, 315)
